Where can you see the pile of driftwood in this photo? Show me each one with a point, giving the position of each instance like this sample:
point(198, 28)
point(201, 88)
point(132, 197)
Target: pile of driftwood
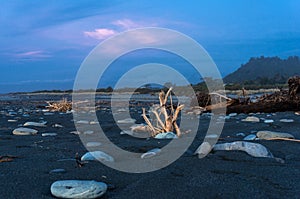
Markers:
point(284, 100)
point(62, 106)
point(165, 115)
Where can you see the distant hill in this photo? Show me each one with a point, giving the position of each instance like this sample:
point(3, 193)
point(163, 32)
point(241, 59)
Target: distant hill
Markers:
point(265, 71)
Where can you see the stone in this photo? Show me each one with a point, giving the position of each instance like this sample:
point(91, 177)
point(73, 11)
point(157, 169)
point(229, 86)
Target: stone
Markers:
point(58, 171)
point(251, 119)
point(270, 134)
point(37, 124)
point(48, 113)
point(78, 189)
point(24, 131)
point(82, 122)
point(151, 153)
point(97, 155)
point(253, 149)
point(75, 132)
point(167, 135)
point(211, 136)
point(203, 149)
point(269, 121)
point(49, 134)
point(12, 120)
point(126, 121)
point(88, 132)
point(93, 144)
point(241, 134)
point(58, 126)
point(232, 114)
point(286, 120)
point(250, 137)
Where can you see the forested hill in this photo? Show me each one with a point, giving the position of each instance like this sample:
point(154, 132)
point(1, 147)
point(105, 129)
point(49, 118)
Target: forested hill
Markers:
point(265, 71)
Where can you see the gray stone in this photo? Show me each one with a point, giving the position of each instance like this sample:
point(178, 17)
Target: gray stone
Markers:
point(270, 134)
point(24, 131)
point(203, 149)
point(251, 119)
point(78, 189)
point(167, 135)
point(49, 134)
point(37, 124)
point(151, 153)
point(253, 149)
point(97, 155)
point(250, 137)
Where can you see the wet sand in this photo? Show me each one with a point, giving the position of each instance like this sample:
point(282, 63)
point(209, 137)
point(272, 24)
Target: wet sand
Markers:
point(221, 174)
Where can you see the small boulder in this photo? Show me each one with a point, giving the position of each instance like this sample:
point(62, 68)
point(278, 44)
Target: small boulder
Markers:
point(251, 119)
point(24, 131)
point(270, 134)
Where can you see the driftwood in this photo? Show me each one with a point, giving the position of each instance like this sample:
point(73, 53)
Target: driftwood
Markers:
point(62, 106)
point(284, 100)
point(169, 121)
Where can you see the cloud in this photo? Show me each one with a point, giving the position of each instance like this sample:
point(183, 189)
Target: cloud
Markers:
point(32, 55)
point(100, 34)
point(126, 24)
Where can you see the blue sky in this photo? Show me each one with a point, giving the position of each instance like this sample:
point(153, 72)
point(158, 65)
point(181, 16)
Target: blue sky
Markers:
point(43, 43)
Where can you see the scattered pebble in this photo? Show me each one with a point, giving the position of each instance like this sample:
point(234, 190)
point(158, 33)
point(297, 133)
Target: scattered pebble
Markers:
point(78, 189)
point(151, 153)
point(82, 122)
point(12, 120)
point(75, 132)
point(58, 171)
point(126, 121)
point(88, 132)
point(93, 144)
point(269, 121)
point(286, 120)
point(97, 155)
point(24, 131)
point(251, 119)
point(167, 135)
point(203, 149)
point(58, 126)
point(250, 137)
point(232, 114)
point(241, 134)
point(49, 134)
point(211, 136)
point(37, 124)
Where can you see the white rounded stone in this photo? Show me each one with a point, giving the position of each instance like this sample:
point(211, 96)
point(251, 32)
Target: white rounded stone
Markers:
point(24, 131)
point(78, 189)
point(97, 155)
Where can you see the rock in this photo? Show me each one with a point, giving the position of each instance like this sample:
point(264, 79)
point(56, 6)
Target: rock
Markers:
point(94, 122)
point(203, 149)
point(37, 124)
point(126, 121)
point(286, 120)
point(97, 155)
point(139, 128)
point(151, 153)
point(269, 121)
point(251, 119)
point(57, 126)
point(78, 189)
point(211, 136)
point(24, 131)
point(49, 134)
point(82, 122)
point(250, 137)
point(253, 149)
point(58, 171)
point(241, 134)
point(75, 132)
point(12, 120)
point(232, 114)
point(93, 144)
point(167, 135)
point(270, 134)
point(88, 132)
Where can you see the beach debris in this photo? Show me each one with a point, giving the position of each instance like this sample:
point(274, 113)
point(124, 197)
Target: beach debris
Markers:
point(253, 149)
point(7, 158)
point(126, 121)
point(49, 134)
point(58, 171)
point(97, 155)
point(250, 137)
point(264, 135)
point(78, 189)
point(37, 124)
point(286, 120)
point(166, 135)
point(269, 121)
point(62, 106)
point(151, 153)
point(24, 131)
point(93, 144)
point(203, 149)
point(251, 119)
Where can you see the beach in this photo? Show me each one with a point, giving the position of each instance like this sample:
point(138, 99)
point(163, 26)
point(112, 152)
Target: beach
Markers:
point(221, 174)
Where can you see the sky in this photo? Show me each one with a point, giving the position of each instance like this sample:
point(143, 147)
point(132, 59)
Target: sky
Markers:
point(43, 43)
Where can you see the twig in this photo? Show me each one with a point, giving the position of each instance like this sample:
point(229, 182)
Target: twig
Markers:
point(286, 139)
point(148, 122)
